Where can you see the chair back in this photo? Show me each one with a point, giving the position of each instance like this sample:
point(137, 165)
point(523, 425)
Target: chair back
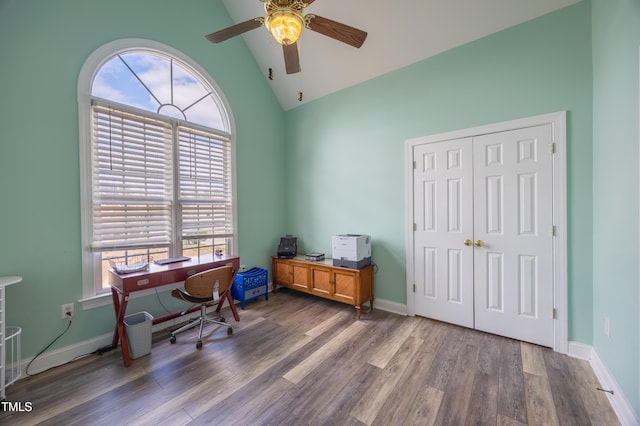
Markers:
point(201, 284)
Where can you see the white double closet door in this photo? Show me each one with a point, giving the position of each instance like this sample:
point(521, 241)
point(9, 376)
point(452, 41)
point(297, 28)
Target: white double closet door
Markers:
point(483, 233)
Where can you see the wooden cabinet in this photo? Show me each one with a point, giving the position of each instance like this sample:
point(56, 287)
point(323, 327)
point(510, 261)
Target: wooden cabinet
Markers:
point(351, 286)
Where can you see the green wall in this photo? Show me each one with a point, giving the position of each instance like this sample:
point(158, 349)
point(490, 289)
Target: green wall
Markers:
point(616, 254)
point(345, 152)
point(43, 45)
point(335, 165)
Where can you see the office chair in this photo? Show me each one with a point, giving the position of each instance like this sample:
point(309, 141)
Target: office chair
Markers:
point(208, 288)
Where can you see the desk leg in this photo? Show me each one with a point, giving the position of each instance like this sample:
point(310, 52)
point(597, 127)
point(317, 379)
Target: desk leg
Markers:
point(120, 308)
point(227, 295)
point(116, 308)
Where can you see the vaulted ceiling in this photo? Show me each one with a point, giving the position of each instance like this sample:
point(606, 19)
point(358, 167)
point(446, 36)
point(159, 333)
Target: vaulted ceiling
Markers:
point(400, 33)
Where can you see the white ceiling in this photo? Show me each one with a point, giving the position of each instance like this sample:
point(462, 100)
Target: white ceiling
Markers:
point(400, 33)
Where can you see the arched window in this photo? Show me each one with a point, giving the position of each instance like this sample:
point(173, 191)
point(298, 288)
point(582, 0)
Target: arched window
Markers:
point(157, 160)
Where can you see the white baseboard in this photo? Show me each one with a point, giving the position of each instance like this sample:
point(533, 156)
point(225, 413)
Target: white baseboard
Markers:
point(389, 306)
point(617, 400)
point(580, 350)
point(64, 355)
point(69, 353)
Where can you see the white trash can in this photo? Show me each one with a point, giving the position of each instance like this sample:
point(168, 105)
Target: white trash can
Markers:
point(138, 330)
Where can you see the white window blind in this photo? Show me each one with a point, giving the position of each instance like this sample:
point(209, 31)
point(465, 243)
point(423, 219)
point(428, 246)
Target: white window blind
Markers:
point(205, 194)
point(132, 180)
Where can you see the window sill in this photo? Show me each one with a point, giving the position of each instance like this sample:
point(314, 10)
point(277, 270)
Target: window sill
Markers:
point(95, 301)
point(105, 299)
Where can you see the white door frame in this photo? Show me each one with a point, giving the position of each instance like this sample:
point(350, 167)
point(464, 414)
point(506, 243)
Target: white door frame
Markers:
point(558, 121)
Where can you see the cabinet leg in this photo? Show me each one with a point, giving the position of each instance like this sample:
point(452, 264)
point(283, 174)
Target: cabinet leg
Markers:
point(358, 311)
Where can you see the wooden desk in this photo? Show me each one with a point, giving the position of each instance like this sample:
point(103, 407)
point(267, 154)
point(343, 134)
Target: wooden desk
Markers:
point(157, 276)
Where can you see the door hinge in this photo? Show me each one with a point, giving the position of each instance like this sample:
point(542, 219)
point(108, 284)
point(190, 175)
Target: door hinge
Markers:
point(415, 226)
point(553, 148)
point(415, 166)
point(554, 314)
point(553, 230)
point(414, 287)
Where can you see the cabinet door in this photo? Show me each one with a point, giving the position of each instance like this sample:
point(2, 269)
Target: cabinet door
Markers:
point(345, 283)
point(300, 276)
point(281, 272)
point(321, 281)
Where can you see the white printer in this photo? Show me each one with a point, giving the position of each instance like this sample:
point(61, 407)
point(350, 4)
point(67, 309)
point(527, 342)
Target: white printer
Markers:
point(351, 250)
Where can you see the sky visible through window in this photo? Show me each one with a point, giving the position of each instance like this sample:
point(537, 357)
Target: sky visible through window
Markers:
point(155, 83)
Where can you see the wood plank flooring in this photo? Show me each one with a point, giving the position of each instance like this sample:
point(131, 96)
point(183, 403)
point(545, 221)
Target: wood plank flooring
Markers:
point(302, 360)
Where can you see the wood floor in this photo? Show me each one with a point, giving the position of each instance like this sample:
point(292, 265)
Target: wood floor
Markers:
point(301, 360)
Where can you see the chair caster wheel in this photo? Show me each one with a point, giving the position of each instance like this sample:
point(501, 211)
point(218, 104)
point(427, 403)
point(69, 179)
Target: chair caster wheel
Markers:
point(229, 331)
point(221, 319)
point(199, 345)
point(173, 339)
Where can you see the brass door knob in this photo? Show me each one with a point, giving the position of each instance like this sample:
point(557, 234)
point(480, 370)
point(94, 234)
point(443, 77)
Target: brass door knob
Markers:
point(467, 242)
point(479, 243)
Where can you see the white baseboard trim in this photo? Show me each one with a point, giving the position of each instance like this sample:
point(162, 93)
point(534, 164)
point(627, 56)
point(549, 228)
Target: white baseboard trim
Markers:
point(64, 355)
point(389, 306)
point(617, 400)
point(69, 353)
point(580, 350)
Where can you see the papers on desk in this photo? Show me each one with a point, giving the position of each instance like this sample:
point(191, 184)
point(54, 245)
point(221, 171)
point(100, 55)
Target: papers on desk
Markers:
point(128, 269)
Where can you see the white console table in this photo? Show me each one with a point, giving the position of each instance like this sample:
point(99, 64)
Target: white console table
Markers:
point(9, 341)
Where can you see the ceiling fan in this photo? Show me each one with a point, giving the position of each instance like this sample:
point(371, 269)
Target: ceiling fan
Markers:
point(285, 20)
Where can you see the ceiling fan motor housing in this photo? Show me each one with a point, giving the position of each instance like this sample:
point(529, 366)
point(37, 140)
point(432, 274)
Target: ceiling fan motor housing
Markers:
point(284, 20)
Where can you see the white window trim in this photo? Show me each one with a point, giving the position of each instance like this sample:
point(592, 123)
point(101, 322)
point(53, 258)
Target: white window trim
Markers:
point(85, 79)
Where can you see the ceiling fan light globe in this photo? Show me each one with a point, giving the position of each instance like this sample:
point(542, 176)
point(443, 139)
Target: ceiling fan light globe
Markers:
point(285, 26)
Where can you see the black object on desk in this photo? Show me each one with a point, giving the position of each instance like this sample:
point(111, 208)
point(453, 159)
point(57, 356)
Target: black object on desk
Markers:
point(171, 260)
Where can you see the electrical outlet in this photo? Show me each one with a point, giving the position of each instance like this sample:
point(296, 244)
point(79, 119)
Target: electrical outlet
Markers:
point(607, 327)
point(67, 310)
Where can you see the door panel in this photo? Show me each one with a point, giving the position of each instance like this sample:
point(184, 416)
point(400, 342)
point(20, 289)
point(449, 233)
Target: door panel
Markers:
point(443, 208)
point(513, 276)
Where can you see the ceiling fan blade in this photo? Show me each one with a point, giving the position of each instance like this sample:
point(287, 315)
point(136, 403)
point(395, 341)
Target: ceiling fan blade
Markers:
point(308, 2)
point(234, 30)
point(336, 30)
point(291, 58)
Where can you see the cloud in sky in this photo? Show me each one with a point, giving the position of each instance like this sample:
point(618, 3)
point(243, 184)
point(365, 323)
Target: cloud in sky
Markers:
point(154, 83)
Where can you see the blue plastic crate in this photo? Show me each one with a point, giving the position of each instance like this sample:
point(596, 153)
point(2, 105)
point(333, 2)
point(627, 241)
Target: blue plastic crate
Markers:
point(249, 285)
